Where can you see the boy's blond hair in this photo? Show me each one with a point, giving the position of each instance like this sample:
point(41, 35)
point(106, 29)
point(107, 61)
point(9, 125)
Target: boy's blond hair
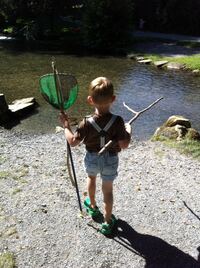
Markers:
point(101, 89)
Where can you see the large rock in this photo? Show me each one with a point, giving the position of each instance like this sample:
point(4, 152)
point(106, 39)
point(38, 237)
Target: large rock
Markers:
point(138, 58)
point(132, 56)
point(193, 134)
point(177, 120)
point(196, 72)
point(177, 128)
point(147, 61)
point(175, 66)
point(167, 132)
point(10, 114)
point(22, 106)
point(24, 101)
point(160, 63)
point(4, 112)
point(3, 104)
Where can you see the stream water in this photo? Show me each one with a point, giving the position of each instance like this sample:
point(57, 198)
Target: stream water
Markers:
point(137, 85)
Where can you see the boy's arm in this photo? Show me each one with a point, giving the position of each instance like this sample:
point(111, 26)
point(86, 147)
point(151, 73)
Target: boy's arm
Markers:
point(123, 144)
point(69, 135)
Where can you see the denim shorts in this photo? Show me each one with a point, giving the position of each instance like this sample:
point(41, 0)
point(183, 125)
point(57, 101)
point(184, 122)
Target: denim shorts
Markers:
point(106, 165)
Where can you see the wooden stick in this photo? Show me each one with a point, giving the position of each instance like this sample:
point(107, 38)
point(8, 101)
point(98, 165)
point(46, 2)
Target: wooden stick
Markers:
point(140, 112)
point(137, 114)
point(69, 171)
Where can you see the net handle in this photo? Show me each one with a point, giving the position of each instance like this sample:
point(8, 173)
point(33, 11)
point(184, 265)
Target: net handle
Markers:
point(61, 104)
point(58, 87)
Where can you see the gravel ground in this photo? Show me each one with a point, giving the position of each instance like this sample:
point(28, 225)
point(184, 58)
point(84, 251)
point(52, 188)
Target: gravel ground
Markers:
point(156, 201)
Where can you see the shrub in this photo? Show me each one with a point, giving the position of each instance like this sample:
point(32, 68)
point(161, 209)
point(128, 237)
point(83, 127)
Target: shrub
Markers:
point(107, 23)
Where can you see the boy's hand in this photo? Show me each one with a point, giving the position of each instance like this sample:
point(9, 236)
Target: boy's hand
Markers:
point(128, 128)
point(64, 120)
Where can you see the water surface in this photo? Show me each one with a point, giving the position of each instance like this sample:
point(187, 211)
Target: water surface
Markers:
point(137, 85)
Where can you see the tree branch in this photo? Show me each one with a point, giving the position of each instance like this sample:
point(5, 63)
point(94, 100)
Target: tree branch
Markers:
point(137, 114)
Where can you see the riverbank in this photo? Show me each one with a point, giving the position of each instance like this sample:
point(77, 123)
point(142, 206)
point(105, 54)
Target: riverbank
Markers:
point(187, 147)
point(172, 48)
point(155, 198)
point(191, 63)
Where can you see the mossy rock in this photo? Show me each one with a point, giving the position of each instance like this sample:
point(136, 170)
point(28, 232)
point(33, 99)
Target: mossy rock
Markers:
point(177, 128)
point(177, 133)
point(192, 134)
point(177, 120)
point(168, 132)
point(7, 260)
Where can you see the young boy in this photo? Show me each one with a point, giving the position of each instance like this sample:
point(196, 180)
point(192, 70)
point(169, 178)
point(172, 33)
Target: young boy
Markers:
point(95, 132)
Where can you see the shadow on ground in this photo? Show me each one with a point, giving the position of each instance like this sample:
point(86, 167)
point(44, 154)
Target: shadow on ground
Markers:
point(156, 252)
point(191, 210)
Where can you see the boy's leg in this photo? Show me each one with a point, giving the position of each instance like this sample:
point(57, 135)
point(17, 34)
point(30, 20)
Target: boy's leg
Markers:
point(107, 188)
point(91, 187)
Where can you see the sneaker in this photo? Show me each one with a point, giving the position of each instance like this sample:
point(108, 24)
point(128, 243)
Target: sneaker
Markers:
point(93, 212)
point(107, 228)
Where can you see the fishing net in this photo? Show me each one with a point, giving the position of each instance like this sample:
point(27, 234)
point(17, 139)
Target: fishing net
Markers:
point(60, 91)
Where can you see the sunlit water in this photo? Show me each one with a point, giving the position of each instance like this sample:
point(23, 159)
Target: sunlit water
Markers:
point(137, 85)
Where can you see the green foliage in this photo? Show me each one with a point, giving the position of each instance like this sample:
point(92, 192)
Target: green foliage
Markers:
point(188, 147)
point(191, 62)
point(34, 19)
point(174, 16)
point(183, 16)
point(107, 24)
point(9, 30)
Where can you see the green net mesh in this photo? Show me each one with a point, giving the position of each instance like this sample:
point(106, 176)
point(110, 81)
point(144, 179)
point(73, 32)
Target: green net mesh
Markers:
point(61, 94)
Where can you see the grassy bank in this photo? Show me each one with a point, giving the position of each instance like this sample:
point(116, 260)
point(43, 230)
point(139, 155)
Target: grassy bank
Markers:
point(188, 147)
point(191, 62)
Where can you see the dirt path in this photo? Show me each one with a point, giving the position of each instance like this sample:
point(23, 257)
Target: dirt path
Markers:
point(165, 36)
point(156, 200)
point(167, 47)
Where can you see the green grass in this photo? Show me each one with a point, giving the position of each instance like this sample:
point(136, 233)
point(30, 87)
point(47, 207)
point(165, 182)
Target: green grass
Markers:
point(16, 190)
point(4, 174)
point(188, 147)
point(17, 175)
point(191, 62)
point(7, 260)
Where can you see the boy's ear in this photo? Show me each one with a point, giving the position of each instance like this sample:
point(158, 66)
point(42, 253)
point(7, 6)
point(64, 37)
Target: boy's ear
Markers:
point(113, 98)
point(90, 100)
